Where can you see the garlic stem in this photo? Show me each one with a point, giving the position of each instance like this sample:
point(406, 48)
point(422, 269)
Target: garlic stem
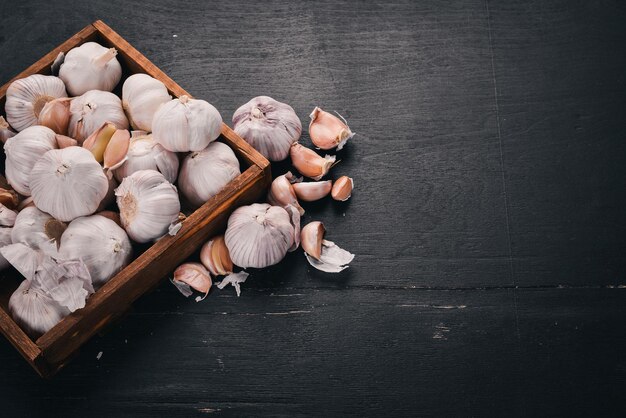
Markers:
point(102, 60)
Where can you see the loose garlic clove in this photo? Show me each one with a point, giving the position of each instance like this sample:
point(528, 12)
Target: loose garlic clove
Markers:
point(186, 124)
point(5, 130)
point(322, 254)
point(342, 189)
point(68, 183)
point(116, 150)
point(269, 126)
point(145, 154)
point(26, 98)
point(311, 238)
point(309, 164)
point(142, 96)
point(313, 190)
point(192, 275)
point(65, 141)
point(7, 216)
point(90, 66)
point(327, 131)
point(214, 255)
point(282, 192)
point(56, 115)
point(97, 142)
point(92, 110)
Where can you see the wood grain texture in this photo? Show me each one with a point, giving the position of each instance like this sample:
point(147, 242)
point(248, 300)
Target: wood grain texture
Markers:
point(487, 217)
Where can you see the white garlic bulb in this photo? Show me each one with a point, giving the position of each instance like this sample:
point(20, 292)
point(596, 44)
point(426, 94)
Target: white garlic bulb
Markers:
point(68, 183)
point(186, 124)
point(141, 97)
point(90, 67)
point(5, 239)
point(145, 154)
point(35, 311)
point(203, 174)
point(26, 98)
point(92, 110)
point(100, 243)
point(7, 216)
point(269, 126)
point(260, 235)
point(148, 205)
point(22, 152)
point(37, 229)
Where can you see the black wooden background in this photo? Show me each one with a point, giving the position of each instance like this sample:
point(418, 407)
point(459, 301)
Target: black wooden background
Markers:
point(488, 219)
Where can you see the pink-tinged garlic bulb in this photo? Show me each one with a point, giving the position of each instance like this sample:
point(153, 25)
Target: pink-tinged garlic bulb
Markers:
point(282, 192)
point(26, 98)
point(268, 125)
point(90, 66)
point(327, 131)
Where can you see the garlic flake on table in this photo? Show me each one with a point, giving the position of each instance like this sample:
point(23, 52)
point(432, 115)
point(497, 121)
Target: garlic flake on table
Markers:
point(186, 124)
point(37, 229)
point(204, 173)
point(90, 66)
point(68, 183)
point(322, 254)
point(268, 125)
point(22, 152)
point(34, 311)
point(145, 154)
point(92, 110)
point(26, 98)
point(141, 97)
point(100, 243)
point(260, 235)
point(327, 131)
point(148, 205)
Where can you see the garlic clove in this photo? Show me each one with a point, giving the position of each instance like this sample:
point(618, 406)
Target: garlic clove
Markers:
point(56, 115)
point(195, 276)
point(342, 189)
point(309, 164)
point(97, 142)
point(282, 192)
point(313, 190)
point(9, 198)
point(116, 150)
point(327, 131)
point(332, 259)
point(214, 256)
point(235, 280)
point(7, 216)
point(65, 141)
point(5, 130)
point(26, 97)
point(90, 66)
point(311, 237)
point(294, 218)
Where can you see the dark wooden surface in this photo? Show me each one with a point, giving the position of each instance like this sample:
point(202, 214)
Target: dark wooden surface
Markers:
point(488, 218)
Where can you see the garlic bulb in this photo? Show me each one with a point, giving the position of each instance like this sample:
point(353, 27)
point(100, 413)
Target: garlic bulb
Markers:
point(56, 115)
point(92, 110)
point(34, 311)
point(312, 190)
point(282, 192)
point(90, 67)
point(22, 152)
point(5, 131)
point(259, 235)
point(269, 126)
point(322, 254)
point(214, 256)
point(5, 239)
point(68, 183)
point(100, 243)
point(141, 97)
point(203, 174)
point(37, 229)
point(26, 98)
point(186, 124)
point(309, 164)
point(145, 154)
point(148, 205)
point(327, 131)
point(7, 216)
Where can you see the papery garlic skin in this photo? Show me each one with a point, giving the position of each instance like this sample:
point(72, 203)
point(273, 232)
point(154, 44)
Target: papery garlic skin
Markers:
point(332, 259)
point(327, 131)
point(5, 239)
point(146, 154)
point(259, 235)
point(100, 243)
point(91, 110)
point(203, 174)
point(7, 216)
point(37, 229)
point(26, 98)
point(148, 205)
point(68, 183)
point(268, 125)
point(90, 66)
point(22, 152)
point(34, 311)
point(186, 124)
point(5, 130)
point(142, 96)
point(282, 192)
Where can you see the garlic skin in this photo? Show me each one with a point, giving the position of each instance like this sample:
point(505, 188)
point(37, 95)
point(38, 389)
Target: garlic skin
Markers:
point(322, 254)
point(259, 235)
point(90, 67)
point(145, 154)
point(67, 282)
point(22, 152)
point(312, 190)
point(214, 256)
point(68, 183)
point(327, 131)
point(56, 115)
point(186, 124)
point(141, 97)
point(235, 280)
point(148, 205)
point(34, 311)
point(92, 110)
point(268, 125)
point(37, 229)
point(100, 243)
point(203, 174)
point(282, 192)
point(5, 239)
point(192, 275)
point(26, 98)
point(342, 189)
point(7, 216)
point(309, 164)
point(5, 130)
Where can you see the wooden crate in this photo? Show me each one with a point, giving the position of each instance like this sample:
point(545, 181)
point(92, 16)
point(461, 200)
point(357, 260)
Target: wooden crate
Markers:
point(50, 352)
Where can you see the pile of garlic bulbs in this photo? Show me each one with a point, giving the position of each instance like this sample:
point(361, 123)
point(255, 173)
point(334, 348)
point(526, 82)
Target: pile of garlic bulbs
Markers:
point(261, 234)
point(81, 189)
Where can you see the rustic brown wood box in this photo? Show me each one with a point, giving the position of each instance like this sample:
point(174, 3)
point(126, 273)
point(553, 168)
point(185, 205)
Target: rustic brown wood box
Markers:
point(50, 352)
